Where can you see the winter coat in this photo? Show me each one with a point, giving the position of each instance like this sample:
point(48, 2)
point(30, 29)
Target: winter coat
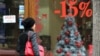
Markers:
point(22, 42)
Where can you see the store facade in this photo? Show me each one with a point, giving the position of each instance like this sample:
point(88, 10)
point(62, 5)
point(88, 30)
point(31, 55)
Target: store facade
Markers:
point(49, 22)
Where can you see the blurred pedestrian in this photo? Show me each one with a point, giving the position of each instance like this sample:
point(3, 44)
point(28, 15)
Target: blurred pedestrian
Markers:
point(29, 26)
point(41, 48)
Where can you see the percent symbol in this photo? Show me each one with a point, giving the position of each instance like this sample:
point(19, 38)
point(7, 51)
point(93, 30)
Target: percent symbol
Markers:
point(84, 7)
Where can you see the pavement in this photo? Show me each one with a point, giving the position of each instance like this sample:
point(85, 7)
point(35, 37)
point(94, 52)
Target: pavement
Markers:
point(8, 53)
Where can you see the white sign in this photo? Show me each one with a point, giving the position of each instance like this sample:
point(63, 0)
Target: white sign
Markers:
point(9, 19)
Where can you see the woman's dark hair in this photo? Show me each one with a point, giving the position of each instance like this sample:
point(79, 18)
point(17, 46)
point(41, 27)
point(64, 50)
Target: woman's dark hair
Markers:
point(28, 23)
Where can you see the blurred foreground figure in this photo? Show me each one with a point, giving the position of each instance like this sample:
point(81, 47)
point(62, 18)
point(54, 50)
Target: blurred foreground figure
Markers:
point(41, 48)
point(29, 27)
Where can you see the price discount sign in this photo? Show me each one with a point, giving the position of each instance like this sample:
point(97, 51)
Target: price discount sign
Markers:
point(83, 6)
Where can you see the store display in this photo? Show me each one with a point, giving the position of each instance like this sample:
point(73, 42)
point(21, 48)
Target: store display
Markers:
point(70, 43)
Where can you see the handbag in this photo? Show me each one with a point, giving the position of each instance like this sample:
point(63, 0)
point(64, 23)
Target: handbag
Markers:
point(28, 47)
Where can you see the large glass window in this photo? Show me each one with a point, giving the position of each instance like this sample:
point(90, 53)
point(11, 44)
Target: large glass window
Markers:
point(9, 32)
point(51, 22)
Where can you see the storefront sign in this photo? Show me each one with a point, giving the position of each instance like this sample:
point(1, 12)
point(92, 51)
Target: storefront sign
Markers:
point(74, 10)
point(9, 19)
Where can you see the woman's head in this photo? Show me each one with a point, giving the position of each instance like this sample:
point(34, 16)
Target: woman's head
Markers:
point(28, 23)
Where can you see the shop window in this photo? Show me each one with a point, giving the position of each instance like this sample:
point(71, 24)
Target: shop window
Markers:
point(9, 32)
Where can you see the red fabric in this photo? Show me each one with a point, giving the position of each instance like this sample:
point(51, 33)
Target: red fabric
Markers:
point(29, 49)
point(90, 50)
point(41, 50)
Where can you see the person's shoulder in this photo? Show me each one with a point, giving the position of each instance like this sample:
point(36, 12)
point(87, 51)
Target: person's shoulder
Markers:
point(31, 32)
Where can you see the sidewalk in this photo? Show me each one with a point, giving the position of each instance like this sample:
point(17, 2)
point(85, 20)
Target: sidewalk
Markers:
point(8, 53)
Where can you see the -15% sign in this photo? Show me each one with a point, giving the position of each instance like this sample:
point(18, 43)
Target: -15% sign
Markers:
point(83, 6)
